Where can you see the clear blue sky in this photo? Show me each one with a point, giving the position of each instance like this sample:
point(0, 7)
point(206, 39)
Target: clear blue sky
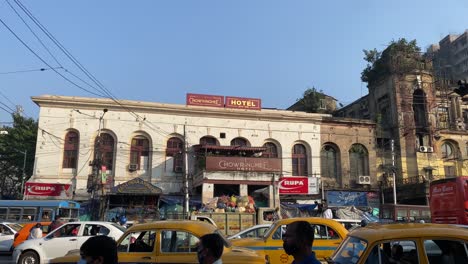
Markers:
point(160, 50)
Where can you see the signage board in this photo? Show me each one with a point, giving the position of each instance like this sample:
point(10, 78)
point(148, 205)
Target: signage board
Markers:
point(345, 198)
point(45, 190)
point(243, 103)
point(243, 164)
point(205, 100)
point(298, 185)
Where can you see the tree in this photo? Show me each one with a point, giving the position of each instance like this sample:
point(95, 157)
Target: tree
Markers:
point(21, 139)
point(310, 100)
point(400, 56)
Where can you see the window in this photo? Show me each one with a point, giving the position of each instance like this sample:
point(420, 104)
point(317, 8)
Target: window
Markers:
point(95, 230)
point(442, 117)
point(3, 213)
point(178, 241)
point(259, 232)
point(5, 230)
point(447, 150)
point(242, 142)
point(323, 104)
point(446, 251)
point(359, 161)
point(299, 160)
point(67, 230)
point(70, 150)
point(279, 232)
point(139, 152)
point(419, 109)
point(271, 150)
point(351, 250)
point(329, 161)
point(209, 141)
point(14, 214)
point(105, 145)
point(450, 172)
point(175, 149)
point(323, 232)
point(401, 251)
point(138, 242)
point(29, 214)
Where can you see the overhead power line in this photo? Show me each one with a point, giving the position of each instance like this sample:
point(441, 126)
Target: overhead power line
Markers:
point(32, 70)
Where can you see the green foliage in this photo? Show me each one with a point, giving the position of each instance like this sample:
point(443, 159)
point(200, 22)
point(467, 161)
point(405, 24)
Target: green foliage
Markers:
point(21, 138)
point(310, 100)
point(399, 57)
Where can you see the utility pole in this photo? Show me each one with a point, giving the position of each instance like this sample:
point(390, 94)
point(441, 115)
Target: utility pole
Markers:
point(186, 185)
point(23, 174)
point(97, 162)
point(393, 171)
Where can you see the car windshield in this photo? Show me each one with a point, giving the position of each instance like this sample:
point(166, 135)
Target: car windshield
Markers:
point(350, 251)
point(15, 227)
point(121, 228)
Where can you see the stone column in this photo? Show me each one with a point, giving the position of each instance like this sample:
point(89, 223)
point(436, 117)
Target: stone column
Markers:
point(243, 190)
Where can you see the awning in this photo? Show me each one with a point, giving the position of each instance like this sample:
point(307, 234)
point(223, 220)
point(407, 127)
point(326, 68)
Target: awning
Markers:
point(136, 186)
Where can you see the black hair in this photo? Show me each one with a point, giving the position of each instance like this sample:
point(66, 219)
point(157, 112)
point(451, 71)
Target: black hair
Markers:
point(214, 243)
point(304, 232)
point(100, 246)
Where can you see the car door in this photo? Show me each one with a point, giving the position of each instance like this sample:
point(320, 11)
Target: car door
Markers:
point(177, 246)
point(64, 239)
point(6, 238)
point(326, 241)
point(274, 246)
point(137, 247)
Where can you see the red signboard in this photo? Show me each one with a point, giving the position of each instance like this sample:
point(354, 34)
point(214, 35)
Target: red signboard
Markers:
point(47, 190)
point(298, 185)
point(243, 103)
point(205, 100)
point(242, 164)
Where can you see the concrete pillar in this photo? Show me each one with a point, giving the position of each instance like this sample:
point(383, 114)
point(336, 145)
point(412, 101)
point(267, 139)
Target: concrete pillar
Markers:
point(243, 189)
point(207, 192)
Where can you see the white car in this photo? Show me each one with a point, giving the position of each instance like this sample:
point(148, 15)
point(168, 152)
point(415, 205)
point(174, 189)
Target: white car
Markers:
point(254, 231)
point(7, 235)
point(59, 242)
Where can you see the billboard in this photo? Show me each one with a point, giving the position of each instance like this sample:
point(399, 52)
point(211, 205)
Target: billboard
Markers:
point(298, 185)
point(205, 100)
point(243, 164)
point(243, 103)
point(345, 198)
point(47, 190)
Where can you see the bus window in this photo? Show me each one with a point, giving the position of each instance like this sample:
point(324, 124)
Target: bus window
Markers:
point(64, 213)
point(402, 215)
point(74, 213)
point(14, 214)
point(3, 213)
point(29, 214)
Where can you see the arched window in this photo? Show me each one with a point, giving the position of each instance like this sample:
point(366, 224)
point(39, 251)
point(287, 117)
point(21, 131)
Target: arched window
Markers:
point(419, 109)
point(329, 161)
point(105, 145)
point(175, 149)
point(359, 161)
point(239, 142)
point(299, 160)
point(139, 152)
point(271, 150)
point(209, 141)
point(70, 150)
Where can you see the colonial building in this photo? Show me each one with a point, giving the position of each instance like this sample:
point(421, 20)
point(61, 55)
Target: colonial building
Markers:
point(237, 150)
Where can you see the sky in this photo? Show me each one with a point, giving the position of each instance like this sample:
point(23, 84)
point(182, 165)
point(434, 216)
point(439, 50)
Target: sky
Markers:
point(158, 51)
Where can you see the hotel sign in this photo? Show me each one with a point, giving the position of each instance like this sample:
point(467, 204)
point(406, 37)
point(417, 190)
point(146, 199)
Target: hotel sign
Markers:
point(220, 101)
point(243, 164)
point(243, 103)
point(205, 100)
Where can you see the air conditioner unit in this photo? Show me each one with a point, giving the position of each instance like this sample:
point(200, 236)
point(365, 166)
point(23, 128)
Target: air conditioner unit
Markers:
point(132, 167)
point(430, 149)
point(364, 180)
point(423, 149)
point(178, 169)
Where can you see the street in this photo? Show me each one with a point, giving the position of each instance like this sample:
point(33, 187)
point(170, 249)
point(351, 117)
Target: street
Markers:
point(5, 258)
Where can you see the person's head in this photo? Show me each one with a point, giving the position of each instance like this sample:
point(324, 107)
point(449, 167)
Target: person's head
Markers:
point(38, 225)
point(298, 238)
point(397, 251)
point(210, 248)
point(123, 220)
point(99, 250)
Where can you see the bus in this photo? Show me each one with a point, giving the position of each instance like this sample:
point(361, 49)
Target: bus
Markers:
point(448, 200)
point(21, 211)
point(404, 213)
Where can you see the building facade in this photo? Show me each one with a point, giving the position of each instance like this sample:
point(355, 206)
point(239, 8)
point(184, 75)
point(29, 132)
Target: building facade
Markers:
point(228, 151)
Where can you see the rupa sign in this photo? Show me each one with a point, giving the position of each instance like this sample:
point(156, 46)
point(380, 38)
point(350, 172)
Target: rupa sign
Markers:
point(298, 185)
point(43, 190)
point(221, 101)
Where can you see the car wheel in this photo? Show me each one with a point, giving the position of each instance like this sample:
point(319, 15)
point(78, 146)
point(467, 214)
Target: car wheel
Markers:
point(29, 257)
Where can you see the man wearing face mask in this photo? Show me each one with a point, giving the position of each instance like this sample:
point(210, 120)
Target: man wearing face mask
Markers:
point(99, 250)
point(210, 249)
point(297, 242)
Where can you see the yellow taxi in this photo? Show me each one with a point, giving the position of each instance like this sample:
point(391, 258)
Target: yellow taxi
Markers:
point(404, 243)
point(170, 242)
point(328, 235)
